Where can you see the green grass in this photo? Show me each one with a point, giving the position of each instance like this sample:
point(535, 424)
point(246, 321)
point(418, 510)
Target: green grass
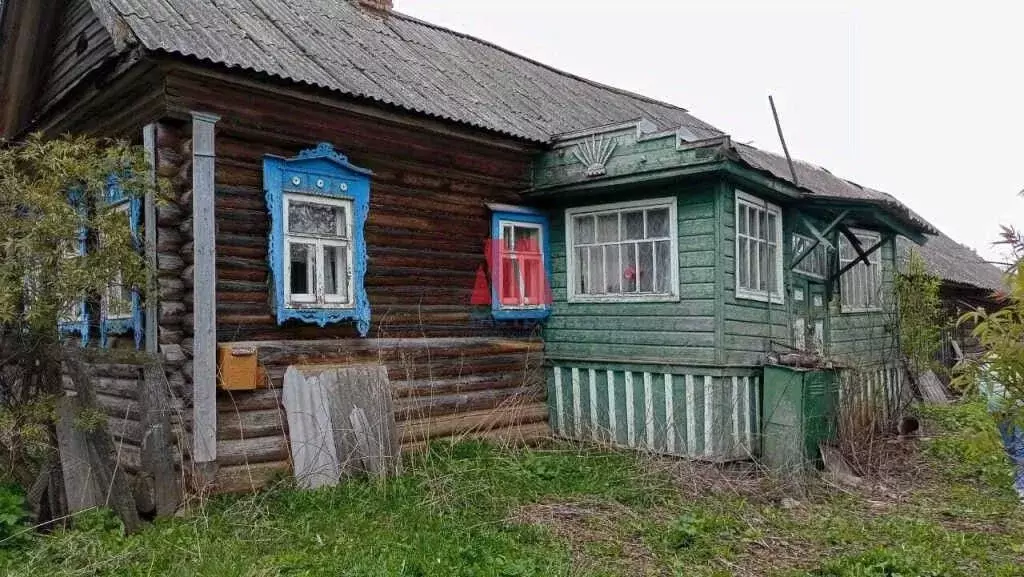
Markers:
point(475, 509)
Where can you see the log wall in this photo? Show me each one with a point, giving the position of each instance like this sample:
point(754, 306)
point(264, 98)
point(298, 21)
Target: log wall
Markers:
point(427, 223)
point(174, 286)
point(442, 388)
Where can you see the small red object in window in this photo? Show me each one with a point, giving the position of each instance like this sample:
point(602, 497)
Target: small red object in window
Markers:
point(629, 273)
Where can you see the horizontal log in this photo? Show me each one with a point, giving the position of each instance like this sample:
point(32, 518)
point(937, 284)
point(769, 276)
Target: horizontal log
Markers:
point(255, 450)
point(517, 435)
point(249, 478)
point(166, 261)
point(120, 407)
point(251, 424)
point(473, 422)
point(422, 408)
point(117, 387)
point(287, 352)
point(169, 214)
point(246, 401)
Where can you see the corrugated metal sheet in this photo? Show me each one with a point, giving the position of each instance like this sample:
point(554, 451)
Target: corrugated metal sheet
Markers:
point(955, 263)
point(396, 60)
point(822, 183)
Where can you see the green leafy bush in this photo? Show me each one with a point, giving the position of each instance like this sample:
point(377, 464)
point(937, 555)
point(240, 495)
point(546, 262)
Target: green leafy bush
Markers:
point(12, 512)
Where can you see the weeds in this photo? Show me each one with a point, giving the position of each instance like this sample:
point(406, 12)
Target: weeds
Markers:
point(569, 510)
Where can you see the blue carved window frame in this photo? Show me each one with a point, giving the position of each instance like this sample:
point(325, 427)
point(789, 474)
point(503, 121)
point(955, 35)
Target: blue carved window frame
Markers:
point(80, 325)
point(133, 324)
point(319, 172)
point(500, 216)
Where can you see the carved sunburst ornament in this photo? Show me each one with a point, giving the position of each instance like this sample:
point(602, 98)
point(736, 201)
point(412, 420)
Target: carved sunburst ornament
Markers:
point(593, 154)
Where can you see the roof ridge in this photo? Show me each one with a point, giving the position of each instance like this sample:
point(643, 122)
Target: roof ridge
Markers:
point(500, 48)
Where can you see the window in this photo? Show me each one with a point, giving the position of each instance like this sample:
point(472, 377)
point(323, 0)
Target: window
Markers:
point(318, 205)
point(120, 304)
point(519, 263)
point(758, 249)
point(860, 287)
point(74, 319)
point(319, 248)
point(116, 301)
point(814, 264)
point(623, 252)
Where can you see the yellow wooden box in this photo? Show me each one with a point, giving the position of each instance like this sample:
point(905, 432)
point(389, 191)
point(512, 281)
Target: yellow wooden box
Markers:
point(237, 369)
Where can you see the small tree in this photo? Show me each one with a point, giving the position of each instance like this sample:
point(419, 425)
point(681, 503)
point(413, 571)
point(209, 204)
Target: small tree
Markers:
point(920, 313)
point(1001, 334)
point(53, 194)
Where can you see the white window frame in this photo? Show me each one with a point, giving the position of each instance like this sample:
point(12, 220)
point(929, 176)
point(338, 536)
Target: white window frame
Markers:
point(857, 274)
point(318, 299)
point(777, 295)
point(820, 247)
point(123, 207)
point(570, 252)
point(523, 305)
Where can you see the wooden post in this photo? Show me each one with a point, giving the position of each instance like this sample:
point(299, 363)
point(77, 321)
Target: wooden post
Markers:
point(204, 354)
point(149, 220)
point(157, 450)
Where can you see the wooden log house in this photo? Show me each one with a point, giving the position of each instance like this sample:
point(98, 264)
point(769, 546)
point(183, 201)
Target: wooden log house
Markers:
point(338, 169)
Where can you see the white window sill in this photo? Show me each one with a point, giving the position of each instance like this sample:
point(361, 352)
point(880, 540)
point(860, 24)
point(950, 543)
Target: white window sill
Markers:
point(776, 298)
point(612, 299)
point(853, 311)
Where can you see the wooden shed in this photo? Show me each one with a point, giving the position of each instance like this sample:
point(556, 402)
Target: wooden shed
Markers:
point(518, 246)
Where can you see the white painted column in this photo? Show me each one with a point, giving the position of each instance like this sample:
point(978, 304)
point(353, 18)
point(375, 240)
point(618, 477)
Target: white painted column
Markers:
point(204, 290)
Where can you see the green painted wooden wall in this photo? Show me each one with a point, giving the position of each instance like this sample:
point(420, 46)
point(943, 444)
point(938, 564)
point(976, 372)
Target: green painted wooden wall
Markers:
point(672, 332)
point(709, 325)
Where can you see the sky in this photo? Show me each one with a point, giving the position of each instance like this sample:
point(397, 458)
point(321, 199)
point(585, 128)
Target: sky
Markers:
point(924, 100)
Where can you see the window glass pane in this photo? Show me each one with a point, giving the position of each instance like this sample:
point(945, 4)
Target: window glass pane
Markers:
point(608, 227)
point(645, 270)
point(770, 264)
point(582, 263)
point(584, 233)
point(741, 219)
point(633, 225)
point(613, 270)
point(762, 266)
point(597, 269)
point(508, 237)
point(628, 255)
point(771, 228)
point(657, 223)
point(510, 281)
point(743, 255)
point(336, 271)
point(752, 222)
point(663, 261)
point(302, 258)
point(527, 239)
point(533, 280)
point(315, 218)
point(119, 299)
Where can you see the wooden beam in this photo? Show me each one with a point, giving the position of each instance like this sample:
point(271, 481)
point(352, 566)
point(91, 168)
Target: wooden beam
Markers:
point(204, 299)
point(901, 229)
point(855, 242)
point(149, 224)
point(819, 237)
point(862, 256)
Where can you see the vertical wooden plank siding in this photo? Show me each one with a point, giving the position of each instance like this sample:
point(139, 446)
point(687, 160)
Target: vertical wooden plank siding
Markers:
point(678, 412)
point(627, 331)
point(204, 295)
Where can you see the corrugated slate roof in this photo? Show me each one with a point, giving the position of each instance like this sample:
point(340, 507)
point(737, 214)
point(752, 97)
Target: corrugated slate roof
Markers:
point(397, 60)
point(822, 183)
point(955, 263)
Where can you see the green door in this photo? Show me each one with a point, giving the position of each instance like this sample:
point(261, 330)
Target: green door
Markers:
point(810, 329)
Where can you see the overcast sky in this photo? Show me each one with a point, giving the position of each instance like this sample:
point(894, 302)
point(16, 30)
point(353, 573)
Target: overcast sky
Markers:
point(924, 100)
